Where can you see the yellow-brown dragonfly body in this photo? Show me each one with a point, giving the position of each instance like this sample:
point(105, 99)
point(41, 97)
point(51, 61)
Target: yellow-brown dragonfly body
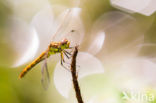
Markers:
point(53, 48)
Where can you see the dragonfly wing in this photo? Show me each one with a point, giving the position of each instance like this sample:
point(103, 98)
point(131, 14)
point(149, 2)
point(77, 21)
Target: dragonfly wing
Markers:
point(63, 20)
point(45, 75)
point(71, 26)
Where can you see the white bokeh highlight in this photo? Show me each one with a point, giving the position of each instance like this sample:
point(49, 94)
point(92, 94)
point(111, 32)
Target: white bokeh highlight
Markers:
point(137, 73)
point(30, 52)
point(122, 33)
point(23, 39)
point(88, 65)
point(97, 43)
point(45, 26)
point(145, 7)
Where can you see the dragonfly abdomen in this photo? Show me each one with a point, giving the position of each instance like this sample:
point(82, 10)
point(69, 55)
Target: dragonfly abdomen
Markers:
point(30, 66)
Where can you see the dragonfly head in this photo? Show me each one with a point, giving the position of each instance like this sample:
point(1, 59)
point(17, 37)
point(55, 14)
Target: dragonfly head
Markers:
point(65, 44)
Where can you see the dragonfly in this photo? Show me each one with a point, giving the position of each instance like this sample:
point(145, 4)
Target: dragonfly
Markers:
point(53, 48)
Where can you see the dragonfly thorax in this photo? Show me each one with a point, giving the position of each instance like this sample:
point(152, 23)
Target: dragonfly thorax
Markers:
point(59, 46)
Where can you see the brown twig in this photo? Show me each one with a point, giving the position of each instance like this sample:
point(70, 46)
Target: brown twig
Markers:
point(74, 76)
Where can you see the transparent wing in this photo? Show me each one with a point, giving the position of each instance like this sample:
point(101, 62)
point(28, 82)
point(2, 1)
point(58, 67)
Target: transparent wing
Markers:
point(45, 75)
point(52, 27)
point(71, 26)
point(63, 21)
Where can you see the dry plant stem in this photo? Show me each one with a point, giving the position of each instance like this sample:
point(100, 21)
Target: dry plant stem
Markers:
point(74, 76)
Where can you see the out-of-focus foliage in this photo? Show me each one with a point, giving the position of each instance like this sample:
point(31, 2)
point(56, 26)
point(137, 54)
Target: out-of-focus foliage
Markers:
point(5, 11)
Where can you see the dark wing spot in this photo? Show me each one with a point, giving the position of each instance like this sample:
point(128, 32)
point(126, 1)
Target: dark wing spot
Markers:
point(72, 30)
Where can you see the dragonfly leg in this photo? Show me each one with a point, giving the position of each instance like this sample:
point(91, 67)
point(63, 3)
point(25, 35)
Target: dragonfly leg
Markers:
point(72, 49)
point(64, 66)
point(66, 54)
point(69, 53)
point(62, 57)
point(62, 61)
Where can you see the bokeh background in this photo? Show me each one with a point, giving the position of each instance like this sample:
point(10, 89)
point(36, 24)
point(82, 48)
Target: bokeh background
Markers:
point(117, 40)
